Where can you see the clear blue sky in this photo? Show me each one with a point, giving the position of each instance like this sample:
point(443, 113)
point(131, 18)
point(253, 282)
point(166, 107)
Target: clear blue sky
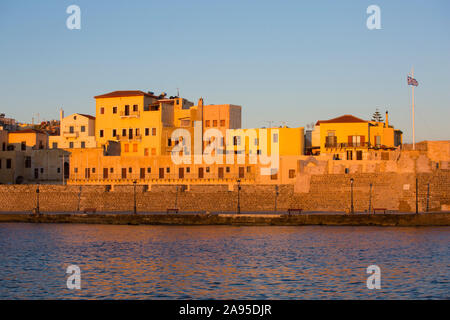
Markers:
point(293, 61)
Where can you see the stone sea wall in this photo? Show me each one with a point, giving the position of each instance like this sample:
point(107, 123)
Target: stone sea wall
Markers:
point(328, 192)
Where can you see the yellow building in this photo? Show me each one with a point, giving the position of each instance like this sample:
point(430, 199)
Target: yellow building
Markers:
point(349, 138)
point(76, 131)
point(290, 141)
point(28, 139)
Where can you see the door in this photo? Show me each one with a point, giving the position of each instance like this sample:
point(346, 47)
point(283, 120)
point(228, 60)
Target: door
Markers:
point(105, 173)
point(220, 173)
point(161, 173)
point(142, 175)
point(127, 110)
point(36, 173)
point(241, 172)
point(181, 173)
point(87, 173)
point(349, 155)
point(124, 173)
point(200, 173)
point(130, 134)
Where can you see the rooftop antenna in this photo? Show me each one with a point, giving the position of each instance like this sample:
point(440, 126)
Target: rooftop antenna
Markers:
point(178, 92)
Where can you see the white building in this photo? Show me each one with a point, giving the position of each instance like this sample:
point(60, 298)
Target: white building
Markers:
point(76, 131)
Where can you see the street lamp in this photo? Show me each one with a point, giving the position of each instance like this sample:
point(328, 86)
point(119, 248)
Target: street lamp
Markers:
point(134, 183)
point(37, 199)
point(352, 209)
point(239, 200)
point(276, 197)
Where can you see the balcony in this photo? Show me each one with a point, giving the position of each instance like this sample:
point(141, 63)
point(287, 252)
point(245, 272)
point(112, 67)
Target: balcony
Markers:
point(129, 114)
point(69, 134)
point(346, 145)
point(128, 138)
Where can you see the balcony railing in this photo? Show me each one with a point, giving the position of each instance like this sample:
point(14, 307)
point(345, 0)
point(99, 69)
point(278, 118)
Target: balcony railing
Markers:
point(128, 138)
point(346, 145)
point(124, 114)
point(69, 134)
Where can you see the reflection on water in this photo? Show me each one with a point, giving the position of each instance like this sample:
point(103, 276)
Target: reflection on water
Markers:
point(222, 262)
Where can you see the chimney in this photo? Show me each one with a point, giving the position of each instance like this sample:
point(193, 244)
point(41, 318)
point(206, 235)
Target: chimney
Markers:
point(61, 115)
point(386, 121)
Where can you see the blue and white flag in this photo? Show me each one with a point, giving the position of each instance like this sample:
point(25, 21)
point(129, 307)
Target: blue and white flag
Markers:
point(412, 81)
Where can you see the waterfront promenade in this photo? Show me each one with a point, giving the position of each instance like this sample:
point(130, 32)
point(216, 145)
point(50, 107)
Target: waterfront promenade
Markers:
point(242, 219)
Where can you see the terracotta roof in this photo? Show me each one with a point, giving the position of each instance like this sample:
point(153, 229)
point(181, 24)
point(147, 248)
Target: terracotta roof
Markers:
point(125, 93)
point(348, 118)
point(87, 116)
point(28, 131)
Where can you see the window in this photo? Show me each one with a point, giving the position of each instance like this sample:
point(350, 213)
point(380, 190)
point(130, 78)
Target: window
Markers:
point(83, 129)
point(207, 123)
point(124, 132)
point(145, 151)
point(71, 145)
point(378, 141)
point(330, 140)
point(0, 163)
point(137, 131)
point(27, 162)
point(142, 173)
point(214, 123)
point(168, 169)
point(249, 169)
point(8, 163)
point(102, 110)
point(169, 142)
point(222, 123)
point(83, 144)
point(130, 169)
point(135, 107)
point(291, 173)
point(114, 109)
point(207, 169)
point(349, 155)
point(275, 138)
point(93, 170)
point(188, 169)
point(42, 170)
point(114, 133)
point(111, 170)
point(153, 131)
point(149, 170)
point(23, 145)
point(147, 131)
point(71, 129)
point(126, 147)
point(154, 106)
point(135, 147)
point(227, 169)
point(75, 170)
point(153, 152)
point(101, 133)
point(147, 107)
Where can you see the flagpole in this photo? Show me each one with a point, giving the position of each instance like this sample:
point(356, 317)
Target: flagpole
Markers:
point(413, 118)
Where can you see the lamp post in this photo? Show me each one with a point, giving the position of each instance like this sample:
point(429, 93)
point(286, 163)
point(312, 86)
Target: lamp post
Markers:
point(37, 199)
point(417, 195)
point(276, 197)
point(239, 200)
point(134, 183)
point(352, 209)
